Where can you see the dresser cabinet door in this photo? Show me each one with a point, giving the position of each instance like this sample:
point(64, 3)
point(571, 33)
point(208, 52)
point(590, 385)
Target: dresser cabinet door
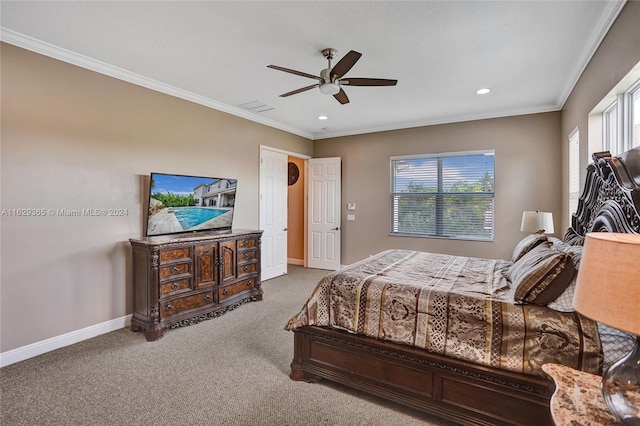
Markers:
point(228, 262)
point(205, 265)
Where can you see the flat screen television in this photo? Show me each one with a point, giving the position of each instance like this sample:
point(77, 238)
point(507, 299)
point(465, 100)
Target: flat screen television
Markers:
point(180, 203)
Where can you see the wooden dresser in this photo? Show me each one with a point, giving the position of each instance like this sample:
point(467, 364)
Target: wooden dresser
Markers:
point(185, 279)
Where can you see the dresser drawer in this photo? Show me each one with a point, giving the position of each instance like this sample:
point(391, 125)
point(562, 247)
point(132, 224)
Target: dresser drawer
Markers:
point(174, 286)
point(247, 255)
point(248, 268)
point(174, 306)
point(233, 289)
point(175, 254)
point(175, 270)
point(246, 243)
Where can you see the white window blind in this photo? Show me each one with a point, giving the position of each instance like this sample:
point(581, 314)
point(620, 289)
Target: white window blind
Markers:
point(444, 195)
point(574, 171)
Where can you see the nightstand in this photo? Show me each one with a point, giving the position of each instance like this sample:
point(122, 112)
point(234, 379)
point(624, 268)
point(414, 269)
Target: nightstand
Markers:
point(577, 399)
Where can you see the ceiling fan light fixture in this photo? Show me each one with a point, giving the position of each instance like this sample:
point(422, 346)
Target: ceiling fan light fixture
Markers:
point(330, 88)
point(483, 91)
point(331, 79)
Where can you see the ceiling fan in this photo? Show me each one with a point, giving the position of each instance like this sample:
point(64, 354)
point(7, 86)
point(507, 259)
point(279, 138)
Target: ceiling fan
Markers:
point(331, 79)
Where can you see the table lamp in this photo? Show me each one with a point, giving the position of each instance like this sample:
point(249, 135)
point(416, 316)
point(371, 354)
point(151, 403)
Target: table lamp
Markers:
point(537, 222)
point(608, 291)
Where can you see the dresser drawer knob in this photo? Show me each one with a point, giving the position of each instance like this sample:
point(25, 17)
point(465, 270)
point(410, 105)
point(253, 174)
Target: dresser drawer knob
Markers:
point(249, 283)
point(225, 291)
point(174, 270)
point(168, 308)
point(246, 255)
point(207, 298)
point(246, 268)
point(174, 286)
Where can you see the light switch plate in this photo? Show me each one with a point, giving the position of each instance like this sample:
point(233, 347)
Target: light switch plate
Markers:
point(351, 217)
point(351, 206)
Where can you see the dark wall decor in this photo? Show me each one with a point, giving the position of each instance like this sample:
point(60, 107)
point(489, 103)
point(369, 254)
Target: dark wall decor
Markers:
point(294, 173)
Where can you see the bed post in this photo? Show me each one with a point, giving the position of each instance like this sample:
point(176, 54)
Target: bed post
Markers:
point(300, 353)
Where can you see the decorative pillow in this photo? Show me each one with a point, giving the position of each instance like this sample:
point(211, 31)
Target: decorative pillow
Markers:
point(564, 302)
point(572, 250)
point(541, 275)
point(526, 244)
point(572, 238)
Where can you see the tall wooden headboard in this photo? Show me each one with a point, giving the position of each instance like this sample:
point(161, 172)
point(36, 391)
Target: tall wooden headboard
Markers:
point(610, 200)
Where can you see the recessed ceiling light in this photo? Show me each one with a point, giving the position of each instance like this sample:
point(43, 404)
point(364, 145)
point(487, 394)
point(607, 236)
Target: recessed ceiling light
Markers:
point(483, 91)
point(322, 117)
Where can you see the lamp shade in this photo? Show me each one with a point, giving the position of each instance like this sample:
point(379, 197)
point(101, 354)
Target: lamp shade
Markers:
point(535, 221)
point(608, 283)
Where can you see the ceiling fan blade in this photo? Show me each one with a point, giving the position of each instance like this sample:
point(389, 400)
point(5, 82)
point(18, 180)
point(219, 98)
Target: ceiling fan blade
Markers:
point(341, 97)
point(344, 65)
point(303, 89)
point(368, 82)
point(300, 73)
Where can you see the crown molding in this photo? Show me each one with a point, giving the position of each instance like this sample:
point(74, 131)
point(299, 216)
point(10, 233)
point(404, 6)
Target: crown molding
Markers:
point(434, 122)
point(64, 55)
point(591, 45)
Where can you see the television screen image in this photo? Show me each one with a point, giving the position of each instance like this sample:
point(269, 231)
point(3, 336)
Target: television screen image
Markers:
point(179, 203)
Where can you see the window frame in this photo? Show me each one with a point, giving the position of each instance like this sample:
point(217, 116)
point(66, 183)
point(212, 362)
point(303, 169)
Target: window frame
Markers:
point(618, 134)
point(439, 196)
point(574, 171)
point(630, 112)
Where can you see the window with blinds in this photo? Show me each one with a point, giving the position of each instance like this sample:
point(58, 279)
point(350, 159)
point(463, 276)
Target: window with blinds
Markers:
point(574, 171)
point(443, 195)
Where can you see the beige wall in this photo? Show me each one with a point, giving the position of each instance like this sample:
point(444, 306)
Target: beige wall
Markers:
point(527, 170)
point(75, 139)
point(617, 54)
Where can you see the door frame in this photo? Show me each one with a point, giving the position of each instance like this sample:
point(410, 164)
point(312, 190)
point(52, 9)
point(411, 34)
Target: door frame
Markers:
point(306, 166)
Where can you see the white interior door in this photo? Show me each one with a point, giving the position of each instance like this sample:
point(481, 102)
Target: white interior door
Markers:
point(273, 212)
point(325, 183)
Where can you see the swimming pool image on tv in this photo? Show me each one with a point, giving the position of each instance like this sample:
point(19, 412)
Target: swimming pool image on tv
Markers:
point(193, 216)
point(182, 203)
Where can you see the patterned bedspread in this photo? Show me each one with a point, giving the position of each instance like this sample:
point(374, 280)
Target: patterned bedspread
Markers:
point(460, 307)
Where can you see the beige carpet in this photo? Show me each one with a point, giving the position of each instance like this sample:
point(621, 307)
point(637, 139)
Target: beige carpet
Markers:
point(231, 370)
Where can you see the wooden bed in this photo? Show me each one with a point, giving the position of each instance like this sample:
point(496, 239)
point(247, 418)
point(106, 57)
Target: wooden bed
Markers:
point(455, 389)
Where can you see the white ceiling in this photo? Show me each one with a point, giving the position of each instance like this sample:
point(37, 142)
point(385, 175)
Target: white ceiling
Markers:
point(530, 53)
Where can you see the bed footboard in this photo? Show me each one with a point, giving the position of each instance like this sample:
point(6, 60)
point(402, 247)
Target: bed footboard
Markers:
point(455, 390)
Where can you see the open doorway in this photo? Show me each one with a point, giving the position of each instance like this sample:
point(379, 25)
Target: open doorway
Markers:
point(296, 211)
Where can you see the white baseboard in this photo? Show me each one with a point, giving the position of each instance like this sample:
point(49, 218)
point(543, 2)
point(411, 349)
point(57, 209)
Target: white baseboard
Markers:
point(44, 346)
point(291, 261)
